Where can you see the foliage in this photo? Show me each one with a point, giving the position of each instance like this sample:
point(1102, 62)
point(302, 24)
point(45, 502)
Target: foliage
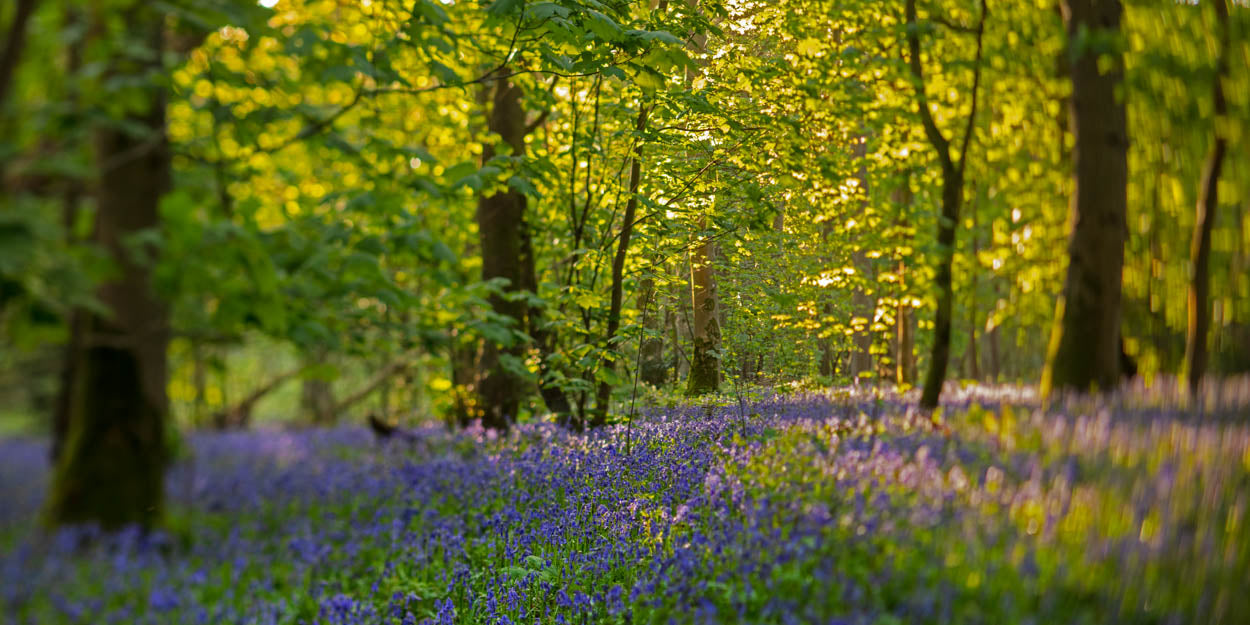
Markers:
point(328, 157)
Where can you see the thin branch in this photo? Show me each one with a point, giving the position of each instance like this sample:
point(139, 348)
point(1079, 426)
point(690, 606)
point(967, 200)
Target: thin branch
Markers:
point(15, 41)
point(922, 100)
point(959, 28)
point(976, 84)
point(534, 125)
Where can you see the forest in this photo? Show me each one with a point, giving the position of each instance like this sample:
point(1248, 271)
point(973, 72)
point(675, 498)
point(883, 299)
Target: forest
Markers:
point(870, 312)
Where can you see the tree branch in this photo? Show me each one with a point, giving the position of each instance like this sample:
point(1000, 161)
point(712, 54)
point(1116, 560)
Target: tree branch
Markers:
point(15, 41)
point(976, 85)
point(922, 100)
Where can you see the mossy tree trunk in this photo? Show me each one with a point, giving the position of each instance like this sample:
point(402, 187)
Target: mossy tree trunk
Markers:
point(111, 464)
point(1084, 351)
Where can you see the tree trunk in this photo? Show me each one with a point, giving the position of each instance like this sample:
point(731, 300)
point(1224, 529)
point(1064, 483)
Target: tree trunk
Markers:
point(500, 222)
point(465, 351)
point(199, 381)
point(317, 401)
point(974, 365)
point(952, 198)
point(705, 331)
point(827, 364)
point(1208, 202)
point(863, 304)
point(904, 341)
point(653, 369)
point(676, 313)
point(70, 200)
point(991, 336)
point(112, 460)
point(1084, 351)
point(11, 51)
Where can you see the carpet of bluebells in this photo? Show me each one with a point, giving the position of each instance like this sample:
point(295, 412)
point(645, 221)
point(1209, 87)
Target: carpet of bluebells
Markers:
point(835, 508)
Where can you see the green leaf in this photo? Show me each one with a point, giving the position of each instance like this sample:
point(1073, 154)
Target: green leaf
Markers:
point(443, 253)
point(657, 35)
point(371, 244)
point(505, 7)
point(604, 27)
point(446, 74)
point(610, 376)
point(460, 170)
point(546, 10)
point(523, 185)
point(649, 79)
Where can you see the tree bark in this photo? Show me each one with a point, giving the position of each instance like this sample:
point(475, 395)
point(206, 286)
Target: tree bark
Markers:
point(501, 222)
point(1208, 203)
point(112, 460)
point(1084, 352)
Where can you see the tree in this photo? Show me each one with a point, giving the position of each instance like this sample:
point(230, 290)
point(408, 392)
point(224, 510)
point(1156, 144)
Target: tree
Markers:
point(953, 169)
point(705, 329)
point(501, 226)
point(1208, 202)
point(904, 328)
point(112, 461)
point(11, 51)
point(863, 304)
point(604, 394)
point(1084, 351)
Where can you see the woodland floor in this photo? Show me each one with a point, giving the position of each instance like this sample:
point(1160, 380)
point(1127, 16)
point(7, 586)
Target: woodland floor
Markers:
point(817, 508)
